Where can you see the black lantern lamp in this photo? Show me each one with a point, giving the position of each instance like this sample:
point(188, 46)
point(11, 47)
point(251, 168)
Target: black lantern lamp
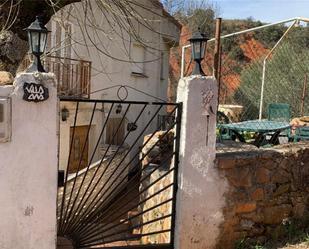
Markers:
point(118, 109)
point(198, 45)
point(37, 38)
point(65, 113)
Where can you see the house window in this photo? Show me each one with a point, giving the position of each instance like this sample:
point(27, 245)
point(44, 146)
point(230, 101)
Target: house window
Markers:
point(138, 58)
point(61, 41)
point(164, 65)
point(61, 48)
point(113, 136)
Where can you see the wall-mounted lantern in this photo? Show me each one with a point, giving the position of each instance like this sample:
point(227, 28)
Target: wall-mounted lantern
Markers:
point(118, 109)
point(65, 113)
point(198, 45)
point(37, 38)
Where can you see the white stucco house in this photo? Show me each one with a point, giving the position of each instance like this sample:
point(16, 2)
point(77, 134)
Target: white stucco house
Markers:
point(91, 56)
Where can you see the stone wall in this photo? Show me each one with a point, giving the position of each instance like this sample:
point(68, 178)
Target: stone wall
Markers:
point(266, 187)
point(156, 165)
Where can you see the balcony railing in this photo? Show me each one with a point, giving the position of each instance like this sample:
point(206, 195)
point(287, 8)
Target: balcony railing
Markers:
point(73, 76)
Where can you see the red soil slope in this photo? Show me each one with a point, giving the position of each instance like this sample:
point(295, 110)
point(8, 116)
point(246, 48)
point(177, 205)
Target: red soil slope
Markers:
point(230, 79)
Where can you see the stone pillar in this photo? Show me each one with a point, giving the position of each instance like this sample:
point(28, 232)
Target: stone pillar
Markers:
point(200, 194)
point(28, 168)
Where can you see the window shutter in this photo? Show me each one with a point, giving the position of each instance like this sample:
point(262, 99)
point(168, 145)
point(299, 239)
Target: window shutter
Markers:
point(57, 43)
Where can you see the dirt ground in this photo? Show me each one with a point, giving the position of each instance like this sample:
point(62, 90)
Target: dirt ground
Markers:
point(304, 245)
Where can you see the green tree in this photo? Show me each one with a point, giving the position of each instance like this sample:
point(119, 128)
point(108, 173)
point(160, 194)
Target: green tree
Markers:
point(194, 13)
point(237, 54)
point(269, 36)
point(203, 19)
point(284, 79)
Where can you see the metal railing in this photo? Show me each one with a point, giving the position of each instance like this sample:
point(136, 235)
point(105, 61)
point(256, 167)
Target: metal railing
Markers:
point(73, 75)
point(127, 198)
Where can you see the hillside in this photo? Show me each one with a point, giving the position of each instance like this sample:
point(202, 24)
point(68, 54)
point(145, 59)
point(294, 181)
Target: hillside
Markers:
point(242, 66)
point(235, 54)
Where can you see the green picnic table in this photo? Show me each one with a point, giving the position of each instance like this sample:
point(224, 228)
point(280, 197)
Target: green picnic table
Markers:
point(260, 127)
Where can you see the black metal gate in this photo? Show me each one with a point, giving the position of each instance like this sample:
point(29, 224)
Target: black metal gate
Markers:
point(120, 180)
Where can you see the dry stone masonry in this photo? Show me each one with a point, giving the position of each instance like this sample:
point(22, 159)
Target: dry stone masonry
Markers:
point(266, 188)
point(157, 158)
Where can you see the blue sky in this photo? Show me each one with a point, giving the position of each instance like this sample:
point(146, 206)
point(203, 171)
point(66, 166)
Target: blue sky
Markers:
point(263, 10)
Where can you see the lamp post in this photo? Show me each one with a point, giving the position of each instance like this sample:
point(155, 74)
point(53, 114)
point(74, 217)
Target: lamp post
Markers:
point(198, 43)
point(37, 38)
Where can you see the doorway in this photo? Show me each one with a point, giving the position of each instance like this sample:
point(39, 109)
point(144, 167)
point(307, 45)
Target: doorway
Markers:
point(79, 152)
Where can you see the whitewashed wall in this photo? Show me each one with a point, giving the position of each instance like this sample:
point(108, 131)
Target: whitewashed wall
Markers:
point(28, 170)
point(200, 197)
point(114, 67)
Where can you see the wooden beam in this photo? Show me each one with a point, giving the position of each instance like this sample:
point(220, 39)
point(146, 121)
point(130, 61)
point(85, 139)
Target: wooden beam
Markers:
point(217, 55)
point(217, 48)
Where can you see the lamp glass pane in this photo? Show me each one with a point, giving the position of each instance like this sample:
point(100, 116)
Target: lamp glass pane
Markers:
point(43, 40)
point(203, 49)
point(192, 51)
point(196, 50)
point(30, 41)
point(35, 40)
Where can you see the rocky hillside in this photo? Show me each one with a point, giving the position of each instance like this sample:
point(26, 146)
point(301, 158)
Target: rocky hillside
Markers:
point(236, 54)
point(242, 66)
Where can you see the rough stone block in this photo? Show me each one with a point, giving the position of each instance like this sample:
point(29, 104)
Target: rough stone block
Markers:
point(240, 177)
point(257, 194)
point(285, 164)
point(282, 189)
point(256, 216)
point(232, 221)
point(262, 175)
point(269, 163)
point(299, 209)
point(226, 163)
point(276, 214)
point(245, 207)
point(6, 78)
point(281, 177)
point(238, 195)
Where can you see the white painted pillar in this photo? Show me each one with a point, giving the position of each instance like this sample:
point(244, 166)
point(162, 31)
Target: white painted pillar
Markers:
point(200, 194)
point(28, 169)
